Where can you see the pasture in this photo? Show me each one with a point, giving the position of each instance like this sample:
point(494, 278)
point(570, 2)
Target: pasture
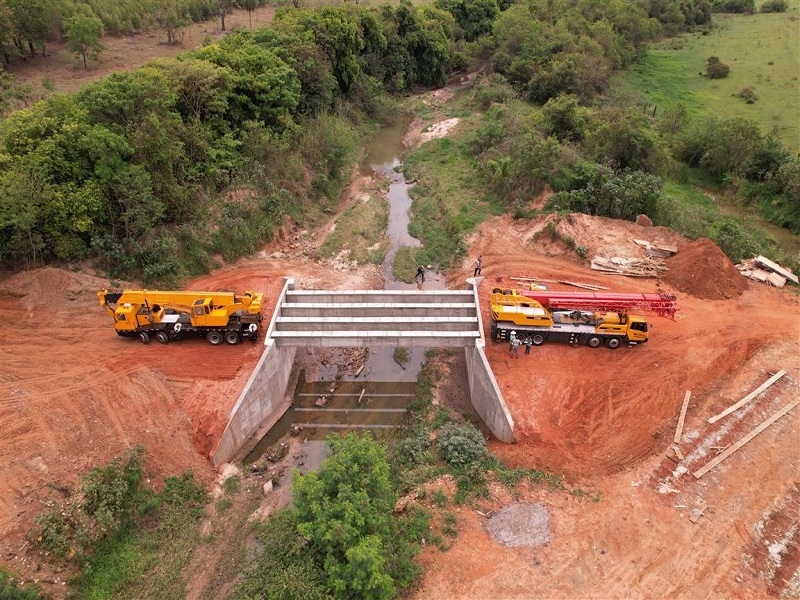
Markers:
point(763, 53)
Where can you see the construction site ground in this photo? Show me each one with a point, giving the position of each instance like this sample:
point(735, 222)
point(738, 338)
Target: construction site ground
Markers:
point(631, 521)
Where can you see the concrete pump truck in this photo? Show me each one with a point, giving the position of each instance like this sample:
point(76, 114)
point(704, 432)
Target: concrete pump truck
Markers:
point(591, 319)
point(216, 316)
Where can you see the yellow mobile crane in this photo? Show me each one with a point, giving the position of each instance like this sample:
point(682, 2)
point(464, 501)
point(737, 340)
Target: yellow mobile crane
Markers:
point(216, 316)
point(578, 318)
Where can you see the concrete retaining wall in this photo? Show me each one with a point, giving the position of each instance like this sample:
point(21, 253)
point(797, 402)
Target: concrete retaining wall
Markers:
point(487, 399)
point(486, 395)
point(262, 400)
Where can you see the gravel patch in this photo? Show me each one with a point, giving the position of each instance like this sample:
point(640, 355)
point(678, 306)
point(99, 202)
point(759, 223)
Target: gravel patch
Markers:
point(521, 525)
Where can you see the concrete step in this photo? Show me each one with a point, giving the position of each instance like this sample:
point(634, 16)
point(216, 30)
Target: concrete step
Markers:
point(383, 309)
point(337, 339)
point(379, 296)
point(376, 323)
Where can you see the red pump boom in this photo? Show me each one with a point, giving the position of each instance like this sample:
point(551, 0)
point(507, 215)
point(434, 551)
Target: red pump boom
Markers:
point(661, 304)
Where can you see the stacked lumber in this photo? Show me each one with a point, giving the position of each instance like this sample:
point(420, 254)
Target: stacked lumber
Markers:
point(631, 267)
point(653, 250)
point(766, 271)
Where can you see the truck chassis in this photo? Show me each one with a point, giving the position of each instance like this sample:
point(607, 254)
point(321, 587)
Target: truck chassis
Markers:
point(576, 332)
point(176, 325)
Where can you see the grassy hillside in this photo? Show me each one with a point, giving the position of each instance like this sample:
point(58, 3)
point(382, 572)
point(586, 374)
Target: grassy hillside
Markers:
point(762, 51)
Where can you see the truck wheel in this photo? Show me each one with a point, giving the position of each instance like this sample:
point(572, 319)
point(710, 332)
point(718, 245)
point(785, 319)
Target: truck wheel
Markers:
point(594, 342)
point(162, 337)
point(537, 339)
point(232, 338)
point(214, 338)
point(144, 337)
point(613, 343)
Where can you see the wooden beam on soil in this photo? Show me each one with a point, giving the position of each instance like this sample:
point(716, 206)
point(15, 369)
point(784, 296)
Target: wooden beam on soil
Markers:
point(749, 397)
point(713, 463)
point(585, 286)
point(773, 266)
point(679, 430)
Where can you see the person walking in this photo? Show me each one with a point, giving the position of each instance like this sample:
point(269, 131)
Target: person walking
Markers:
point(478, 265)
point(528, 342)
point(515, 347)
point(420, 276)
point(511, 337)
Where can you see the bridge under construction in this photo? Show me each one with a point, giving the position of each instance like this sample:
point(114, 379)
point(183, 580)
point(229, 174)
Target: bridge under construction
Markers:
point(362, 318)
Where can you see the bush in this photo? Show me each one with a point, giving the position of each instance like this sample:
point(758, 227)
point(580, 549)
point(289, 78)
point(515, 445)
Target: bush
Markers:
point(749, 94)
point(717, 69)
point(745, 7)
point(461, 446)
point(774, 6)
point(11, 590)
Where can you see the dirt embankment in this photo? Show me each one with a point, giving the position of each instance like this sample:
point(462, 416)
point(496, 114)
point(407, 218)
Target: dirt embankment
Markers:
point(73, 395)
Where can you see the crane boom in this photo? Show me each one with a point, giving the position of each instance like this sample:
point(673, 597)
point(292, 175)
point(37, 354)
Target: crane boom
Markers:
point(661, 304)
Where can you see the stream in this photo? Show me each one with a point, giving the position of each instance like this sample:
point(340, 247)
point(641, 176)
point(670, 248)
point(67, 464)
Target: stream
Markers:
point(378, 398)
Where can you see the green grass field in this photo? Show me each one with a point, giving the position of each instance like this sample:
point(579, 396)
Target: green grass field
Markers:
point(762, 51)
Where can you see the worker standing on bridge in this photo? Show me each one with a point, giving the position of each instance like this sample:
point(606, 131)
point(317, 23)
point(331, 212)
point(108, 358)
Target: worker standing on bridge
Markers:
point(420, 276)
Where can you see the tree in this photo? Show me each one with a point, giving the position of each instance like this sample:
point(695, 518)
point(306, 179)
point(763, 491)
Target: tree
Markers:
point(172, 16)
point(224, 7)
point(345, 511)
point(250, 5)
point(7, 29)
point(83, 35)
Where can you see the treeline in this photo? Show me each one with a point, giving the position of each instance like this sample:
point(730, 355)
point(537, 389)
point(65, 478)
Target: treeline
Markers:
point(131, 168)
point(27, 26)
point(158, 171)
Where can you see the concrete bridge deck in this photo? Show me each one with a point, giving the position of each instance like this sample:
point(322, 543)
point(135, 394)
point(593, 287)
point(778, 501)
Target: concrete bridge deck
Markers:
point(343, 318)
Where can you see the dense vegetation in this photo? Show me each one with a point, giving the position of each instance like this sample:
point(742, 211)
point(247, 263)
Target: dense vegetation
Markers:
point(158, 171)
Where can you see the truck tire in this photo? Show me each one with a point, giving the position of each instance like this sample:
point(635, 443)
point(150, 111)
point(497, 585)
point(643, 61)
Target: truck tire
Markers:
point(613, 343)
point(162, 337)
point(214, 338)
point(144, 337)
point(538, 339)
point(594, 341)
point(232, 337)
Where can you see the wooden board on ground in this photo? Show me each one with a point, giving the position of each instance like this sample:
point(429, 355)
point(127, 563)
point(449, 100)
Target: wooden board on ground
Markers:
point(749, 397)
point(679, 429)
point(713, 463)
point(775, 267)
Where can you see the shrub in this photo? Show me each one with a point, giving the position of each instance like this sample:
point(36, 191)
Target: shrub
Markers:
point(745, 7)
point(774, 6)
point(461, 446)
point(749, 94)
point(11, 590)
point(717, 69)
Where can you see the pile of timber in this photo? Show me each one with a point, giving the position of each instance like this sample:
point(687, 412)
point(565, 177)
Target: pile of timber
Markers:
point(764, 270)
point(653, 250)
point(631, 267)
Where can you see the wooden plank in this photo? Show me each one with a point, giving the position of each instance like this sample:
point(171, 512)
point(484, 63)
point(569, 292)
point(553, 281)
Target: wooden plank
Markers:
point(713, 463)
point(749, 397)
point(679, 430)
point(776, 280)
point(698, 512)
point(773, 266)
point(585, 286)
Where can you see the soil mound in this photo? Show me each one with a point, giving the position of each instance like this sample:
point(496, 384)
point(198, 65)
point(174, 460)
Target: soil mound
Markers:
point(701, 269)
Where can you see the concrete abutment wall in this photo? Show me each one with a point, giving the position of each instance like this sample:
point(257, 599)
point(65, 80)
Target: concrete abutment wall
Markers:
point(263, 400)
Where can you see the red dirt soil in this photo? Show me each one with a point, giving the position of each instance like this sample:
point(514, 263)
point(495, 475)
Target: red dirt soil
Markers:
point(73, 395)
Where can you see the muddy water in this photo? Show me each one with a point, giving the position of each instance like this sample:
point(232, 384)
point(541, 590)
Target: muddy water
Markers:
point(379, 396)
